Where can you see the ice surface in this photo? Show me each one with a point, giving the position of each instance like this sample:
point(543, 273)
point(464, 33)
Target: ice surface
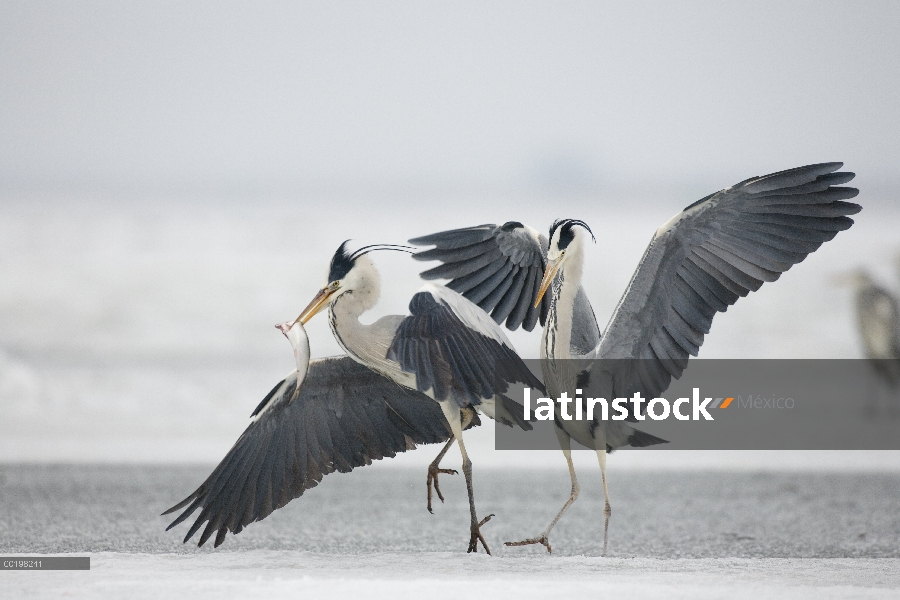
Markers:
point(367, 533)
point(663, 515)
point(440, 575)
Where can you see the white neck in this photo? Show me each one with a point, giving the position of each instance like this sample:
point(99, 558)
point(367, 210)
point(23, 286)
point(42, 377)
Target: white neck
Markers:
point(555, 341)
point(361, 289)
point(366, 344)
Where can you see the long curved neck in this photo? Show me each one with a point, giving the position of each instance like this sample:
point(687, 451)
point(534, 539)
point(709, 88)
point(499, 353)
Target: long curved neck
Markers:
point(353, 336)
point(361, 289)
point(366, 344)
point(341, 322)
point(557, 336)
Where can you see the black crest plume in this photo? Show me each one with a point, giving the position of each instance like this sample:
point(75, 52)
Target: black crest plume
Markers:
point(343, 260)
point(567, 234)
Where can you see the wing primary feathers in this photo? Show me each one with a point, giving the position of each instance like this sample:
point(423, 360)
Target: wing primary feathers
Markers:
point(484, 263)
point(455, 238)
point(468, 282)
point(718, 249)
point(452, 255)
point(458, 269)
point(481, 293)
point(285, 452)
point(492, 300)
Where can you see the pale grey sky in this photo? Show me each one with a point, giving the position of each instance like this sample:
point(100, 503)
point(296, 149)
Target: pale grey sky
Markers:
point(443, 93)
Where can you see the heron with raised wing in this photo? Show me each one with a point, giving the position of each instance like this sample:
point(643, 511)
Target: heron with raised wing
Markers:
point(698, 263)
point(447, 348)
point(327, 415)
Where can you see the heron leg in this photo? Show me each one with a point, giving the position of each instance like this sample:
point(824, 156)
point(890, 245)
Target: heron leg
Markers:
point(434, 470)
point(451, 411)
point(565, 444)
point(607, 509)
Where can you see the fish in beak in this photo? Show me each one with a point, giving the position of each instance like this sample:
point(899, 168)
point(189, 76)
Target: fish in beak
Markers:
point(549, 274)
point(296, 335)
point(317, 304)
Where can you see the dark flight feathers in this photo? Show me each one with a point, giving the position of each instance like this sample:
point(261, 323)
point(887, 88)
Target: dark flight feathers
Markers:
point(451, 358)
point(497, 268)
point(717, 250)
point(345, 416)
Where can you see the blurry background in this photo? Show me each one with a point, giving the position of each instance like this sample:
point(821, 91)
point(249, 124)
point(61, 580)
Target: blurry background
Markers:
point(174, 179)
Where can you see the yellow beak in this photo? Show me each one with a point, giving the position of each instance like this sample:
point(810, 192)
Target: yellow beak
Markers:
point(549, 274)
point(316, 306)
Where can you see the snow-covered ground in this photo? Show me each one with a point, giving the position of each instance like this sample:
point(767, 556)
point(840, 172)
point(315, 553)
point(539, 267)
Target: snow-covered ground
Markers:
point(367, 533)
point(450, 576)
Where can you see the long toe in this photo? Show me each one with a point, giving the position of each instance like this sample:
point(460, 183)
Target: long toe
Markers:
point(433, 472)
point(543, 540)
point(431, 482)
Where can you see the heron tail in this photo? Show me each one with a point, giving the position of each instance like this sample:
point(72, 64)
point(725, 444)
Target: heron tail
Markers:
point(639, 439)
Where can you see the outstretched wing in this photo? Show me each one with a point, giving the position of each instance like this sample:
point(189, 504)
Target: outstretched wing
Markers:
point(716, 250)
point(497, 268)
point(455, 350)
point(345, 416)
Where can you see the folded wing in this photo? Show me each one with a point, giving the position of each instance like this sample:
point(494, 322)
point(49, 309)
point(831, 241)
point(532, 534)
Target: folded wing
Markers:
point(456, 350)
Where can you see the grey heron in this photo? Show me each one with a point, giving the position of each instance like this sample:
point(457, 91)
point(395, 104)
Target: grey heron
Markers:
point(878, 321)
point(897, 266)
point(447, 348)
point(327, 415)
point(698, 263)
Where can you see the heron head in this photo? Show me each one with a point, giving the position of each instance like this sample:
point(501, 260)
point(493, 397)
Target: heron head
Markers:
point(566, 239)
point(348, 272)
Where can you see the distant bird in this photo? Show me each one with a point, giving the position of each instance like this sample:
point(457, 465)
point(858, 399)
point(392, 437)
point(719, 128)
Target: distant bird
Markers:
point(878, 320)
point(447, 348)
point(697, 264)
point(328, 415)
point(897, 265)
